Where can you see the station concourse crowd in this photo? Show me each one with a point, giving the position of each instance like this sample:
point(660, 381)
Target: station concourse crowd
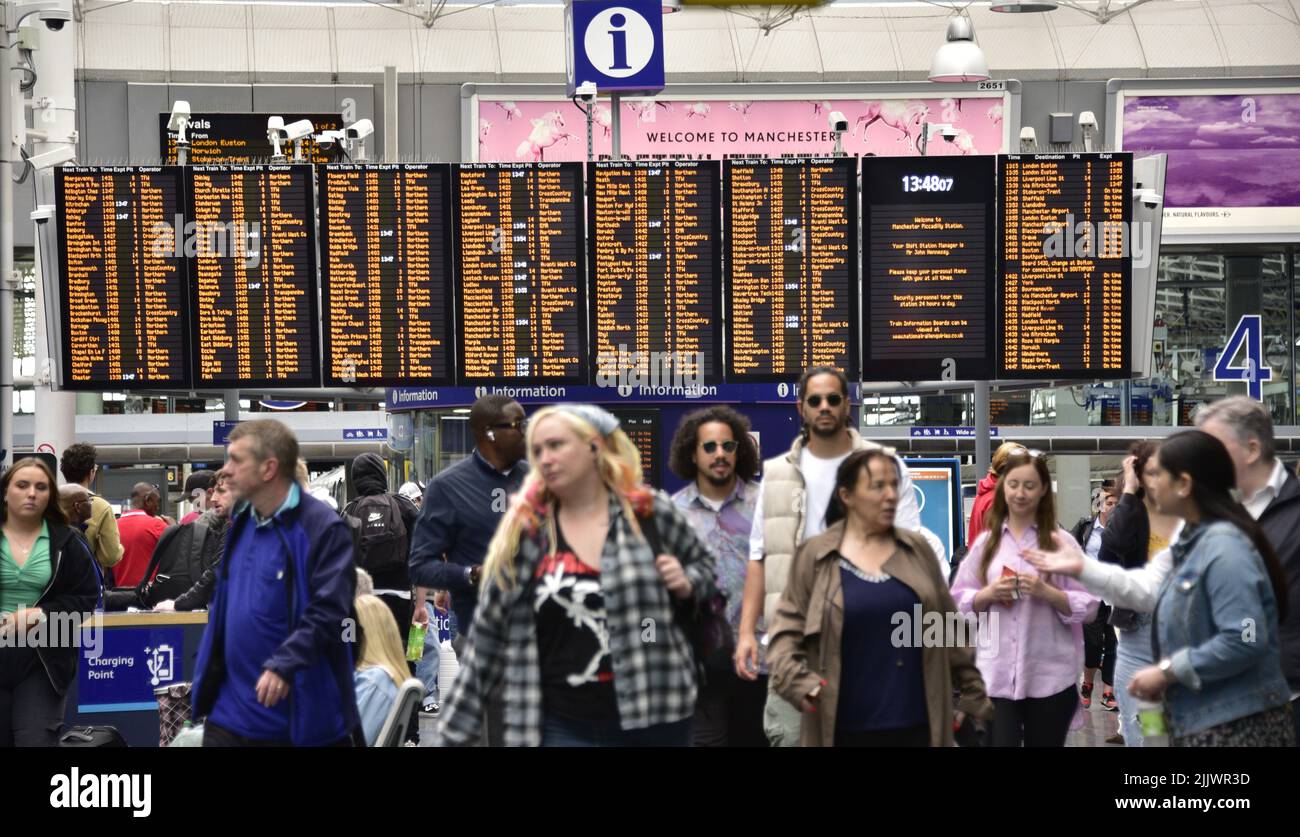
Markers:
point(540, 593)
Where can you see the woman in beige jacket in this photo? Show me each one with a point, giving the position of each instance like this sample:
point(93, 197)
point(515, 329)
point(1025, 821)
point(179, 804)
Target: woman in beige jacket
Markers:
point(865, 640)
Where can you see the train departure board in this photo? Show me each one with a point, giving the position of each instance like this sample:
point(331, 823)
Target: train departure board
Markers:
point(792, 267)
point(122, 288)
point(253, 276)
point(241, 137)
point(522, 311)
point(1064, 284)
point(643, 429)
point(656, 269)
point(386, 274)
point(927, 311)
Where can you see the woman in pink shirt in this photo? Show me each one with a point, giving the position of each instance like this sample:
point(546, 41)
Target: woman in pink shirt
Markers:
point(1034, 650)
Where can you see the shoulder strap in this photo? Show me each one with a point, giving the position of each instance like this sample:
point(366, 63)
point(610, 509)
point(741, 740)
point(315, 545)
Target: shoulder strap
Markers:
point(160, 549)
point(650, 528)
point(200, 539)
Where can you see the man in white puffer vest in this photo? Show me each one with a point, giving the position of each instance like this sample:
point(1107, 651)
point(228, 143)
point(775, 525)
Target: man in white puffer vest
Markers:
point(791, 508)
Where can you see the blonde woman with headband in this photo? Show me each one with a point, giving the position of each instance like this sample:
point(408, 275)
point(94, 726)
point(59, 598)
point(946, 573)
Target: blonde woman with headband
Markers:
point(575, 624)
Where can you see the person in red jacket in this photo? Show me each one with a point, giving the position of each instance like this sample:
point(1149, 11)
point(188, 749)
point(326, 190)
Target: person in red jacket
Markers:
point(984, 489)
point(140, 529)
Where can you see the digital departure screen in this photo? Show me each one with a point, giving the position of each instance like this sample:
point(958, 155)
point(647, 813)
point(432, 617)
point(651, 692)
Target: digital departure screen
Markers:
point(656, 270)
point(122, 277)
point(643, 429)
point(386, 274)
point(522, 309)
point(1064, 284)
point(792, 266)
point(242, 138)
point(253, 276)
point(928, 308)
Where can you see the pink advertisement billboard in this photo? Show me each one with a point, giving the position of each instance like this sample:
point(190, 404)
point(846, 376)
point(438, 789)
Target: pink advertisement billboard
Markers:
point(555, 130)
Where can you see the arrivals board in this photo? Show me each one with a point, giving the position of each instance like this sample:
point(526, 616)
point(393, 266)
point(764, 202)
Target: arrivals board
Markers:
point(656, 269)
point(122, 304)
point(386, 274)
point(520, 270)
point(791, 230)
point(1064, 284)
point(927, 224)
point(242, 138)
point(253, 276)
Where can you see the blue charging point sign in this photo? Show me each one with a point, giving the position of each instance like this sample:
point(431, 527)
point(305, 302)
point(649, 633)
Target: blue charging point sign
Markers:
point(616, 44)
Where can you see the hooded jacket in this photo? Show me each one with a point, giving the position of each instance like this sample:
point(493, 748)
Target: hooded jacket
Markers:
point(370, 478)
point(72, 591)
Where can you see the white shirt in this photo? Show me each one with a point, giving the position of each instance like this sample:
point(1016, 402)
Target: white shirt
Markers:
point(1093, 547)
point(1134, 589)
point(908, 515)
point(1268, 492)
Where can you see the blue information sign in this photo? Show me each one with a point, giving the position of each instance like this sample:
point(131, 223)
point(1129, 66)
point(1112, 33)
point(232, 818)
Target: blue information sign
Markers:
point(221, 432)
point(618, 45)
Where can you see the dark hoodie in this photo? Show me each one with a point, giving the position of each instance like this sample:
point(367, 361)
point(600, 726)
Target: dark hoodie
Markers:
point(370, 477)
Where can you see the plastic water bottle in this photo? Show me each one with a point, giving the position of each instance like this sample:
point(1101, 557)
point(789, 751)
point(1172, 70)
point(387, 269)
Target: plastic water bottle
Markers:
point(1151, 717)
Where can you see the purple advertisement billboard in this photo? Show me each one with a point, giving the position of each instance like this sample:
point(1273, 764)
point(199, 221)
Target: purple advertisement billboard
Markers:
point(1234, 159)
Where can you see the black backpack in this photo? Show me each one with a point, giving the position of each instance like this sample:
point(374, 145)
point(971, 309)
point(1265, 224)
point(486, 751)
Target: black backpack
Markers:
point(382, 542)
point(169, 578)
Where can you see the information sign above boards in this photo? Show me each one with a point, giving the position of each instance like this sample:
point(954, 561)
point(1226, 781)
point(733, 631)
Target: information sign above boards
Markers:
point(791, 230)
point(656, 271)
point(1064, 284)
point(927, 224)
point(386, 284)
point(253, 276)
point(521, 315)
point(123, 287)
point(241, 137)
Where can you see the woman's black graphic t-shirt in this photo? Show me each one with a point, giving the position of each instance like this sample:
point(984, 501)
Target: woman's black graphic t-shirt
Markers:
point(572, 641)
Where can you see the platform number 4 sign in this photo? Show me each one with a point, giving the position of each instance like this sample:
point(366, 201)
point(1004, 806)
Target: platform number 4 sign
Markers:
point(1249, 334)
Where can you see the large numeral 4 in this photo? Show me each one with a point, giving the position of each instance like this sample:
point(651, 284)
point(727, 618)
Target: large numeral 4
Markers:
point(1250, 334)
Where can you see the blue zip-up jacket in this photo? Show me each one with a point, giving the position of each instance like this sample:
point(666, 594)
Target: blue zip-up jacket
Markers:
point(313, 657)
point(1216, 620)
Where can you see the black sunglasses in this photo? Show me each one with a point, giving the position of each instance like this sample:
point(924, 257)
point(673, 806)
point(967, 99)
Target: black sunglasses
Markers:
point(517, 424)
point(729, 447)
point(833, 400)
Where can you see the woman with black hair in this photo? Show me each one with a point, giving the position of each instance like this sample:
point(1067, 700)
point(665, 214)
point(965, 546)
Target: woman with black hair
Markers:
point(47, 584)
point(839, 652)
point(1217, 611)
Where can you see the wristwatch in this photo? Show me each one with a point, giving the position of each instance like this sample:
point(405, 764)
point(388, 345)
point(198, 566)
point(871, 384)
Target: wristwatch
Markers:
point(1167, 669)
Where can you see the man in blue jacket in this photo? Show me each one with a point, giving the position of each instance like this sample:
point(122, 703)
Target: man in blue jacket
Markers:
point(273, 667)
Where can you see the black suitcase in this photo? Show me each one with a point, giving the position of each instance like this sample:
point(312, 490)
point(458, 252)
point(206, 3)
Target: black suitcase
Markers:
point(92, 737)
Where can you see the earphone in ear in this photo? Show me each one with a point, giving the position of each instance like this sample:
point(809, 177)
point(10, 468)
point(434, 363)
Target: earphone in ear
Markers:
point(492, 435)
point(593, 447)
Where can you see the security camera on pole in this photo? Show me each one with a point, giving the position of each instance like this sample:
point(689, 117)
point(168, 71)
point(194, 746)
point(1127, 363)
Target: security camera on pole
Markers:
point(615, 47)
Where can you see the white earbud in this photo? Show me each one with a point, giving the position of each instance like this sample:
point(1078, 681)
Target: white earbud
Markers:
point(492, 435)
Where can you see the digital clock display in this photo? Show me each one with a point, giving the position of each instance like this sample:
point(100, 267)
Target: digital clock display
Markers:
point(927, 183)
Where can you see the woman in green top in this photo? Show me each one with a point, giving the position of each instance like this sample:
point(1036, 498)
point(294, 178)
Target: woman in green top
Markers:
point(45, 571)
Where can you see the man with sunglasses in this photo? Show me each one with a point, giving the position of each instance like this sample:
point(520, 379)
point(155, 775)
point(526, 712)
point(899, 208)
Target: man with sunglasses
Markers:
point(715, 452)
point(463, 505)
point(791, 508)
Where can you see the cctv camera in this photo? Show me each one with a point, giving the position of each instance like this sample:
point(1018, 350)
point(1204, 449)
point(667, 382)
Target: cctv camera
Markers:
point(1087, 120)
point(55, 18)
point(949, 133)
point(298, 130)
point(180, 115)
point(360, 129)
point(838, 121)
point(275, 125)
point(1193, 367)
point(1149, 198)
point(586, 91)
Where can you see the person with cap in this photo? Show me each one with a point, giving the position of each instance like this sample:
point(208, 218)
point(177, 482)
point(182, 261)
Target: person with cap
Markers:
point(575, 625)
point(412, 492)
point(198, 489)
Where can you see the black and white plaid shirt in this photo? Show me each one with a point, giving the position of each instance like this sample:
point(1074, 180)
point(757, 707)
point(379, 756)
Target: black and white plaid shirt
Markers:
point(654, 677)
